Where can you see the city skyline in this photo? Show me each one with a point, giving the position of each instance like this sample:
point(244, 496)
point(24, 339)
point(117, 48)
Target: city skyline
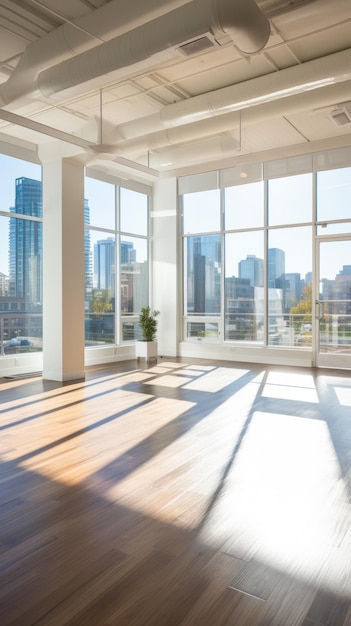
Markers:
point(13, 168)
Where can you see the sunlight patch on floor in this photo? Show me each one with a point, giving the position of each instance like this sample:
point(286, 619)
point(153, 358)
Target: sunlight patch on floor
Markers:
point(216, 380)
point(169, 381)
point(282, 511)
point(81, 453)
point(171, 364)
point(291, 379)
point(290, 386)
point(62, 397)
point(186, 488)
point(157, 369)
point(285, 392)
point(201, 368)
point(343, 395)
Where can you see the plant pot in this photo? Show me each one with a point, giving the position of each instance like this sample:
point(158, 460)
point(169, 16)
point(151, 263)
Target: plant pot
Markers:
point(146, 350)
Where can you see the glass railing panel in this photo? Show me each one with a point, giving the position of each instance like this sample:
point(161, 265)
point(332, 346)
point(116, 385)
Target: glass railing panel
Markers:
point(290, 331)
point(244, 327)
point(99, 329)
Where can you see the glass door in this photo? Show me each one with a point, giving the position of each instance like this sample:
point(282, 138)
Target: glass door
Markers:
point(333, 304)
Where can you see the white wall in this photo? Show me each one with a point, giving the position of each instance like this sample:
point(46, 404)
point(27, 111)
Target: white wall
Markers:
point(246, 354)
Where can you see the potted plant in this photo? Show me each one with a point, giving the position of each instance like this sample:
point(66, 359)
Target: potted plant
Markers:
point(147, 346)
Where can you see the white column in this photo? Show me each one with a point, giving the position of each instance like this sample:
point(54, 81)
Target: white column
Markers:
point(63, 268)
point(166, 280)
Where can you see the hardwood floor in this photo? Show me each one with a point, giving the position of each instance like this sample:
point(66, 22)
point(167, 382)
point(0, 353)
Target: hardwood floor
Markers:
point(180, 494)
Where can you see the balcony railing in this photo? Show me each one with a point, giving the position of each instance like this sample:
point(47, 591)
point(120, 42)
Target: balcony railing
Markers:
point(20, 332)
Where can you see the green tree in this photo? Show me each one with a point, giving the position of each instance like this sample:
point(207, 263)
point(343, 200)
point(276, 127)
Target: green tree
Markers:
point(100, 302)
point(302, 313)
point(304, 306)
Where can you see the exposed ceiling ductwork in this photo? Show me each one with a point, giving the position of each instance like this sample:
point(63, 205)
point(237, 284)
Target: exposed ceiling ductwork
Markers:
point(166, 72)
point(140, 48)
point(313, 84)
point(109, 21)
point(192, 143)
point(310, 76)
point(229, 122)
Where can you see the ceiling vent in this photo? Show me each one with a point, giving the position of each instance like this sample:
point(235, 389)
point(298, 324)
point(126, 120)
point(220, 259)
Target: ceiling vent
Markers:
point(196, 46)
point(340, 116)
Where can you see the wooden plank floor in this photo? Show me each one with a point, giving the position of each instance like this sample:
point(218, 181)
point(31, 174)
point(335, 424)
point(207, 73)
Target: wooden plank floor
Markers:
point(181, 493)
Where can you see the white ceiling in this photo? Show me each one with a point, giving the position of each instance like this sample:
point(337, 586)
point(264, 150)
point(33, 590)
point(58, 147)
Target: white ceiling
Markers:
point(155, 117)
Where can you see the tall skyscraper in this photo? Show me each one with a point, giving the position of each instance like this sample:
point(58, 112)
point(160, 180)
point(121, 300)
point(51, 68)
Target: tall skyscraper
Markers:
point(104, 264)
point(134, 279)
point(308, 278)
point(88, 269)
point(251, 268)
point(204, 274)
point(276, 268)
point(342, 291)
point(128, 252)
point(292, 289)
point(25, 239)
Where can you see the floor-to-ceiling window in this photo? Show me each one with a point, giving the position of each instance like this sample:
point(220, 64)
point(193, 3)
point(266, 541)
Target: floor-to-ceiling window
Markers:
point(289, 259)
point(244, 262)
point(134, 260)
point(274, 231)
point(20, 256)
point(116, 261)
point(203, 262)
point(100, 261)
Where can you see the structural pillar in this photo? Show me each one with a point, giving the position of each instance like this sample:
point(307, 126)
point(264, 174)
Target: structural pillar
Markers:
point(63, 267)
point(166, 282)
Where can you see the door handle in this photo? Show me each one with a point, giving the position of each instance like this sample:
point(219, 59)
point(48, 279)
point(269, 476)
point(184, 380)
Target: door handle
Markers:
point(319, 310)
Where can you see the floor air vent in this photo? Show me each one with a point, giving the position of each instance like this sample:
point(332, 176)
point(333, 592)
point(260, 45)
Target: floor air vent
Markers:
point(22, 376)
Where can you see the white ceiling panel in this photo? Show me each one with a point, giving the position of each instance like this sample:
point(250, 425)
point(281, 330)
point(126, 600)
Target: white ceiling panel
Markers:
point(199, 64)
point(11, 45)
point(269, 135)
point(226, 74)
point(64, 9)
point(318, 126)
point(281, 57)
point(312, 17)
point(318, 44)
